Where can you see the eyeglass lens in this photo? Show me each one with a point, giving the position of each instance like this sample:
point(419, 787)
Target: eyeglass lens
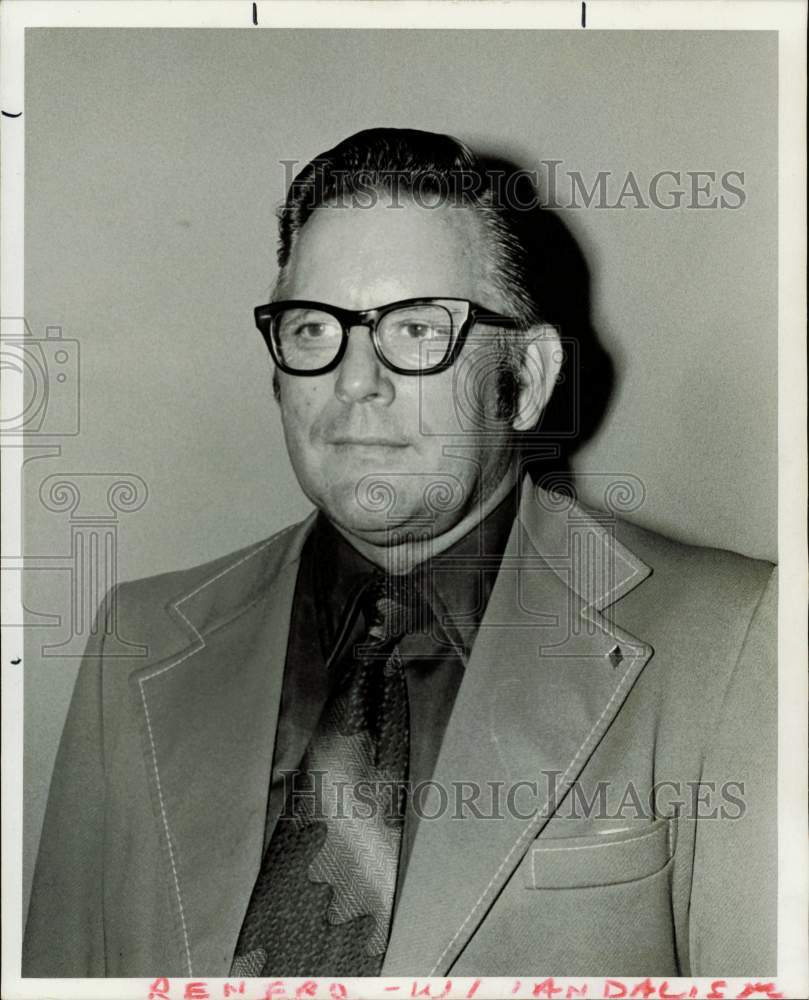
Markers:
point(413, 337)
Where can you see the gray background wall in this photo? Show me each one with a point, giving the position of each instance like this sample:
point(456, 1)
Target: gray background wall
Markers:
point(152, 176)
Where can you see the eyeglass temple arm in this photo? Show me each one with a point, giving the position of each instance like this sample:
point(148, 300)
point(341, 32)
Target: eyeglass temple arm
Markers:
point(495, 320)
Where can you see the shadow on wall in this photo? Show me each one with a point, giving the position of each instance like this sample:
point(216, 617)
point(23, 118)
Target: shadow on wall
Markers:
point(560, 281)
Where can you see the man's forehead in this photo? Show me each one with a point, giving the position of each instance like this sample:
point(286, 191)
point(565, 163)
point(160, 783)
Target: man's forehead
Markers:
point(360, 257)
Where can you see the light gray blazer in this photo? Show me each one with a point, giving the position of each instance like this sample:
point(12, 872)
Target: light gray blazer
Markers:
point(609, 658)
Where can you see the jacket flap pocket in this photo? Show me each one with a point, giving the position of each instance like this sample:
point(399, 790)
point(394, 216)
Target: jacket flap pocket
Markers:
point(601, 859)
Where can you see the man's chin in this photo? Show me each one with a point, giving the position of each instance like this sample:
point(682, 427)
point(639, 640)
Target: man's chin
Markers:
point(377, 513)
point(380, 528)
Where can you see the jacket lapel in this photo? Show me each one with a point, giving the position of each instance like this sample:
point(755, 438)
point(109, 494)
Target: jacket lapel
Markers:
point(547, 675)
point(208, 719)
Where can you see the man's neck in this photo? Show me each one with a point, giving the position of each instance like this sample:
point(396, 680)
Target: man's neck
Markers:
point(401, 558)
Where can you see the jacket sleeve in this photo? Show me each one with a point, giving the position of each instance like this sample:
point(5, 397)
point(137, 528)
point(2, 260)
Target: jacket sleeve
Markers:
point(733, 914)
point(64, 934)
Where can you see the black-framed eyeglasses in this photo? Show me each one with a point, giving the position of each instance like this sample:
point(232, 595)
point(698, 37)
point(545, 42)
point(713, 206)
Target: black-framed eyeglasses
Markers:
point(410, 337)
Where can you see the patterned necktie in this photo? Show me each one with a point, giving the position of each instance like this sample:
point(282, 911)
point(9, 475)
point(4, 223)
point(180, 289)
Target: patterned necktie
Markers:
point(323, 900)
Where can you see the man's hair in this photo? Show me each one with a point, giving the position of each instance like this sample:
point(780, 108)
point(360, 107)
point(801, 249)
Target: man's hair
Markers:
point(430, 169)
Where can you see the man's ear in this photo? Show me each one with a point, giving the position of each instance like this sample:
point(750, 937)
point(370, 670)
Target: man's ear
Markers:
point(541, 361)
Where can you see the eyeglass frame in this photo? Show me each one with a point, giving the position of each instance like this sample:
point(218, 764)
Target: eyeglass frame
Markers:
point(350, 318)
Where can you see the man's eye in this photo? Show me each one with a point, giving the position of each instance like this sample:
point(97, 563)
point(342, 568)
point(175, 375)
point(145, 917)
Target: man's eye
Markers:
point(313, 331)
point(416, 331)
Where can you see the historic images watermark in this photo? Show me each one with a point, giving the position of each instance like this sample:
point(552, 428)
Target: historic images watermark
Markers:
point(43, 408)
point(550, 185)
point(321, 795)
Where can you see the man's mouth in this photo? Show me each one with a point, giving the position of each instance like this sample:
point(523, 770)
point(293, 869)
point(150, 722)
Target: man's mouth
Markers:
point(368, 442)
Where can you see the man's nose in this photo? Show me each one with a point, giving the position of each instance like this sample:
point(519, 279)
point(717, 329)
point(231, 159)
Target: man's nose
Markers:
point(361, 377)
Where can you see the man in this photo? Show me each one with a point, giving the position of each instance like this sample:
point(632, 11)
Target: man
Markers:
point(451, 723)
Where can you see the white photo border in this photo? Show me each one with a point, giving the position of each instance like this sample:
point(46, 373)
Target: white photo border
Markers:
point(788, 19)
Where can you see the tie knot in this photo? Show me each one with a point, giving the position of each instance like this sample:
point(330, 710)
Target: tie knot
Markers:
point(392, 608)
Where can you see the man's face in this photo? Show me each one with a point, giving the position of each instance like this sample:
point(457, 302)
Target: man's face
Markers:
point(367, 444)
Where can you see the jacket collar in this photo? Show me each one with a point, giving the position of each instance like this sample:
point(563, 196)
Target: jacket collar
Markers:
point(542, 685)
point(208, 717)
point(547, 675)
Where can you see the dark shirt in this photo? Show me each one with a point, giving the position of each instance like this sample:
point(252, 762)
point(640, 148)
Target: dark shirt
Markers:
point(328, 620)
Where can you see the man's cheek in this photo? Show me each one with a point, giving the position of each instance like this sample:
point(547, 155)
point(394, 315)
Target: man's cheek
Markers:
point(433, 412)
point(298, 407)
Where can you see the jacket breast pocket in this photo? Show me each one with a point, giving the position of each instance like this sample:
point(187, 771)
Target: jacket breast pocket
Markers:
point(600, 859)
point(582, 904)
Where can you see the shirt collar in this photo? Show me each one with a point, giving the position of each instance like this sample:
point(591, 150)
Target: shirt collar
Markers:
point(456, 583)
